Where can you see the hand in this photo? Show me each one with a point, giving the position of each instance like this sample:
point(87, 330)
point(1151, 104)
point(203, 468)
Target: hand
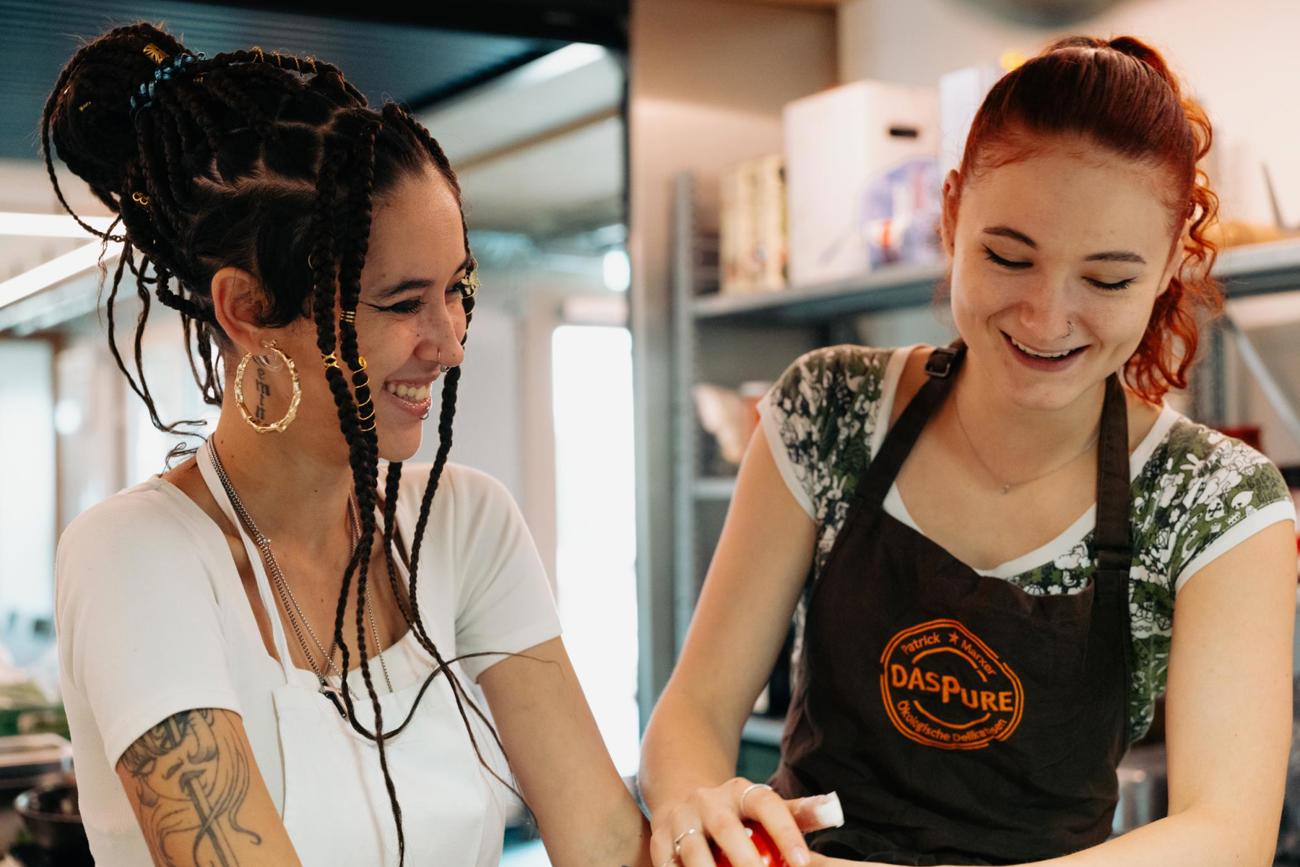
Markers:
point(682, 831)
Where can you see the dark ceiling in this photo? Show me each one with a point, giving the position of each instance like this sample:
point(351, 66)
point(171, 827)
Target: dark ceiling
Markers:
point(414, 55)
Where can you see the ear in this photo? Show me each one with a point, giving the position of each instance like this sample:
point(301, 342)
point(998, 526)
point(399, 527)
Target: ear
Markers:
point(237, 300)
point(1175, 261)
point(948, 217)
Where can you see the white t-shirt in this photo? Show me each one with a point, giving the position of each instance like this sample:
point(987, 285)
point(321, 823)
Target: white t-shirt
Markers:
point(152, 619)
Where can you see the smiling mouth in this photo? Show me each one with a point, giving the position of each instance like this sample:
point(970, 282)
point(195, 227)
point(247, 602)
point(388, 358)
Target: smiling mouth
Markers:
point(1039, 354)
point(408, 392)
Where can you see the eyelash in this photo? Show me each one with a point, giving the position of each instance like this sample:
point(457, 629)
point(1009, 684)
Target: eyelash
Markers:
point(1017, 266)
point(413, 305)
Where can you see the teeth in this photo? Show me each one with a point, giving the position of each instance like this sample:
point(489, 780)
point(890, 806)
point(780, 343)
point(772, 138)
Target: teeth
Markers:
point(1027, 351)
point(414, 394)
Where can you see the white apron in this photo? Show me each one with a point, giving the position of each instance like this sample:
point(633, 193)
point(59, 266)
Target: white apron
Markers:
point(335, 804)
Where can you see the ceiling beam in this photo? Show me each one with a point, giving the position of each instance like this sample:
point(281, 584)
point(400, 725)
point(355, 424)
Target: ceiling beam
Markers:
point(601, 22)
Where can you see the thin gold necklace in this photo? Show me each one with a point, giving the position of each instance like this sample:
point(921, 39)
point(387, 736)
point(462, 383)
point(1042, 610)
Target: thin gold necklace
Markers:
point(1005, 487)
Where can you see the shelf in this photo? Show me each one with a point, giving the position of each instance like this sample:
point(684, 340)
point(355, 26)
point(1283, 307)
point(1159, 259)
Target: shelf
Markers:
point(715, 488)
point(763, 730)
point(887, 289)
point(1251, 270)
point(1259, 268)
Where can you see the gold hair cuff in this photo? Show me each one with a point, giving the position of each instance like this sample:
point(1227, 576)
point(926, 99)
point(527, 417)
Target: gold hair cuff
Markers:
point(471, 284)
point(349, 316)
point(330, 360)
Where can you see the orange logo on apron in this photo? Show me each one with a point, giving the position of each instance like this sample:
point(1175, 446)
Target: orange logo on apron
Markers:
point(945, 688)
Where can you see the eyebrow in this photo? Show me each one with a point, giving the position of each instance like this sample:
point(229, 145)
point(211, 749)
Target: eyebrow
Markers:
point(417, 282)
point(1106, 256)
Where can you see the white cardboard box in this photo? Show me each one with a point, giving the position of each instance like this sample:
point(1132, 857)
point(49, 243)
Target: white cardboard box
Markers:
point(861, 179)
point(961, 92)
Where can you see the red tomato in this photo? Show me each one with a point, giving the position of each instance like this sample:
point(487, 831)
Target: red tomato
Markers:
point(768, 854)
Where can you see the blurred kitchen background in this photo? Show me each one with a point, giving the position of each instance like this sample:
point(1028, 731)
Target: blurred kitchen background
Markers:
point(667, 201)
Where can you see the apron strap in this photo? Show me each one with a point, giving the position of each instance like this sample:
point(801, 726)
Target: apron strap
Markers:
point(943, 362)
point(209, 472)
point(1112, 542)
point(1112, 538)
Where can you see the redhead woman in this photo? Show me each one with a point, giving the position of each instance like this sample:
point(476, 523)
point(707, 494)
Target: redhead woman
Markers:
point(1013, 545)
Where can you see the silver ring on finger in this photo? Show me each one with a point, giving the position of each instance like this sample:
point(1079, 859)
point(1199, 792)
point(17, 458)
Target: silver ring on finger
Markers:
point(745, 793)
point(677, 842)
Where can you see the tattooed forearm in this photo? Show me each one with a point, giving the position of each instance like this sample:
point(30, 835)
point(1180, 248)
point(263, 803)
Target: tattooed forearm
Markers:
point(191, 776)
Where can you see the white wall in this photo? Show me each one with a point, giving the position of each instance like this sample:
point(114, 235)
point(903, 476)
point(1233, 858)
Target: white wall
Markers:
point(27, 489)
point(1240, 58)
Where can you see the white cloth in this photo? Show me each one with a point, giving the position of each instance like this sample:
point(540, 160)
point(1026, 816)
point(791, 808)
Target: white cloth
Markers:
point(152, 619)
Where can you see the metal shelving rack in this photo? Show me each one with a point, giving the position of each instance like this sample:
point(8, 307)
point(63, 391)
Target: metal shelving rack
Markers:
point(820, 315)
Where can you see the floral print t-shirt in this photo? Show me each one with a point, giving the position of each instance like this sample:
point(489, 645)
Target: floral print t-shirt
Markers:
point(1195, 494)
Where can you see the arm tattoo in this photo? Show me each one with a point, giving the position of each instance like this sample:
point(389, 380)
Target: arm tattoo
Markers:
point(191, 776)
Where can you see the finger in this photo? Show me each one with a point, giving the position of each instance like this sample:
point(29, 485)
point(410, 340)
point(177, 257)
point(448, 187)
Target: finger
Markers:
point(663, 831)
point(817, 812)
point(733, 840)
point(772, 812)
point(692, 847)
point(661, 847)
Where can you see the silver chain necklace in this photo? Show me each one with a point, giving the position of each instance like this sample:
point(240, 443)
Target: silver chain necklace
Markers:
point(287, 598)
point(1005, 487)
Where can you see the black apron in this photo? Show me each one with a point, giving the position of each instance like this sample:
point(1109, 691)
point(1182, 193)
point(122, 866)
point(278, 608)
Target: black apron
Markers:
point(961, 719)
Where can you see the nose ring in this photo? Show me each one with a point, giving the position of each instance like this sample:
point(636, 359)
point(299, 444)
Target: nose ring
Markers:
point(1069, 329)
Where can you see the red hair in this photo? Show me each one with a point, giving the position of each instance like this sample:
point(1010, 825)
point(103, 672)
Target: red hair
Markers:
point(1121, 95)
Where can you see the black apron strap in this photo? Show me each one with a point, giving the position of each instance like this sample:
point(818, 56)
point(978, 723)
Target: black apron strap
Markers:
point(942, 366)
point(1111, 539)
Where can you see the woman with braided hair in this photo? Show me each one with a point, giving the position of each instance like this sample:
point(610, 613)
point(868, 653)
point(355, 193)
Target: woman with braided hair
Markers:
point(316, 251)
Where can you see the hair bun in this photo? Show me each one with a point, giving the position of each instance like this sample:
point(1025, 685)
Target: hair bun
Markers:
point(89, 112)
point(1139, 50)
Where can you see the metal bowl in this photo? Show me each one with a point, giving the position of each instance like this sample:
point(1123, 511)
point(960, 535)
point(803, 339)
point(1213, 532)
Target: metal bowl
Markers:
point(51, 816)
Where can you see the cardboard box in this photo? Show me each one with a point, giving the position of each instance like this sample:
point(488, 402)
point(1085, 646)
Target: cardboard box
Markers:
point(961, 93)
point(753, 226)
point(862, 179)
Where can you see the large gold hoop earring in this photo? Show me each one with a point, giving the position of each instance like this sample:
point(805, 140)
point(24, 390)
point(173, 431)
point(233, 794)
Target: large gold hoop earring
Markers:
point(277, 426)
